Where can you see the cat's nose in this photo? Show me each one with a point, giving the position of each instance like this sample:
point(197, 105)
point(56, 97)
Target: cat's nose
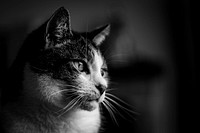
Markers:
point(101, 88)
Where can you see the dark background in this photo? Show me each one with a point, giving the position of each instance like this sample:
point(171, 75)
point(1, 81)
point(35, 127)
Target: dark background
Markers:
point(150, 53)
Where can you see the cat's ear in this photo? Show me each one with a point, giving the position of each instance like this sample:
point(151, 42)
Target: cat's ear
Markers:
point(99, 34)
point(58, 28)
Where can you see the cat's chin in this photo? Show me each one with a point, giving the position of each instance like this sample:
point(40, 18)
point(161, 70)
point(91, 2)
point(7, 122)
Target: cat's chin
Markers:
point(89, 105)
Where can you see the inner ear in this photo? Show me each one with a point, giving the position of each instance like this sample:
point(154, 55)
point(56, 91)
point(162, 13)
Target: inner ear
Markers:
point(98, 35)
point(58, 28)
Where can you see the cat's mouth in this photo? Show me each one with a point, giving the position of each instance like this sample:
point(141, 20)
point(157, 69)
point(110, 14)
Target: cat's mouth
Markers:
point(95, 97)
point(92, 101)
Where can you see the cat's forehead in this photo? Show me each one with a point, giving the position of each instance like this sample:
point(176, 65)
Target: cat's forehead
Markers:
point(77, 48)
point(82, 48)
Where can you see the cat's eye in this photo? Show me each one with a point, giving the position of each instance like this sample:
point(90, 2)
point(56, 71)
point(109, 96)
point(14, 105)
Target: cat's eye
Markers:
point(103, 72)
point(80, 66)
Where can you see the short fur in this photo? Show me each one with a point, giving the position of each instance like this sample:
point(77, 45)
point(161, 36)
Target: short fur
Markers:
point(61, 78)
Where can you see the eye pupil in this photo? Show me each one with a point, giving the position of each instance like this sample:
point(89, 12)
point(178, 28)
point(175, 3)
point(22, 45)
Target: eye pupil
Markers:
point(80, 66)
point(102, 73)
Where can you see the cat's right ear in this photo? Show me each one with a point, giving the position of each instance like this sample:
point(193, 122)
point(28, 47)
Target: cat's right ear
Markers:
point(58, 29)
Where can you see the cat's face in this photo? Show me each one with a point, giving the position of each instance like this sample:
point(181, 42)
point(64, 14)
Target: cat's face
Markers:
point(70, 70)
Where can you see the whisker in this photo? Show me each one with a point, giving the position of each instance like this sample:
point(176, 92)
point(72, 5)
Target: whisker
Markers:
point(43, 70)
point(114, 108)
point(126, 110)
point(82, 99)
point(111, 107)
point(120, 105)
point(107, 90)
point(70, 90)
point(121, 102)
point(71, 86)
point(110, 112)
point(70, 105)
point(73, 89)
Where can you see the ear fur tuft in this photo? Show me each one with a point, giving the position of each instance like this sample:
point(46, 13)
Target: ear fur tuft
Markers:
point(58, 28)
point(101, 35)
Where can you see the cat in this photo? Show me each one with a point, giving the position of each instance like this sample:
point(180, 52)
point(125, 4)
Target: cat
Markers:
point(63, 79)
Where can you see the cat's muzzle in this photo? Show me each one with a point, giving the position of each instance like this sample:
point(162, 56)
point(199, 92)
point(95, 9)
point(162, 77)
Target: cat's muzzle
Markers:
point(92, 100)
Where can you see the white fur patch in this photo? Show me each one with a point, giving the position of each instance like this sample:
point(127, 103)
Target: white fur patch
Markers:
point(97, 64)
point(81, 121)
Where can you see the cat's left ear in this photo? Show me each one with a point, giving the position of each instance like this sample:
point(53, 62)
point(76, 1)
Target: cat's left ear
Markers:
point(58, 28)
point(99, 34)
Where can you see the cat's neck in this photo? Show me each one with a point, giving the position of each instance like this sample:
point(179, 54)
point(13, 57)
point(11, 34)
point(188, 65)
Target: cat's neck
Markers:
point(81, 121)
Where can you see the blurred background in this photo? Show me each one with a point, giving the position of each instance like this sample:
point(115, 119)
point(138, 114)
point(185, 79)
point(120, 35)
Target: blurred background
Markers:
point(149, 52)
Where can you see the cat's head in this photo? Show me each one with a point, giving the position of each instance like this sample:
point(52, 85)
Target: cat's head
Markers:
point(66, 68)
